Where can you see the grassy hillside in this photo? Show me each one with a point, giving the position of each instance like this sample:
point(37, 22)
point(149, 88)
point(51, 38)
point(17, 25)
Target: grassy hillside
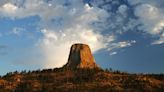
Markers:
point(80, 80)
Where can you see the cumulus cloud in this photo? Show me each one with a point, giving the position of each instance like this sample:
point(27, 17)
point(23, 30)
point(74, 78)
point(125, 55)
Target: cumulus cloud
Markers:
point(21, 9)
point(64, 22)
point(9, 8)
point(118, 19)
point(56, 45)
point(150, 16)
point(71, 25)
point(147, 11)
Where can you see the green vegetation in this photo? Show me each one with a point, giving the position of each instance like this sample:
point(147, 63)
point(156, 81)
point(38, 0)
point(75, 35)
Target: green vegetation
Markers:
point(80, 80)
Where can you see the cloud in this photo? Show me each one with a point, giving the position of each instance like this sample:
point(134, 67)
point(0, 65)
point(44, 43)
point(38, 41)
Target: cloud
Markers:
point(160, 40)
point(134, 2)
point(62, 23)
point(113, 53)
point(73, 24)
point(118, 19)
point(121, 44)
point(123, 9)
point(147, 11)
point(8, 7)
point(143, 15)
point(113, 48)
point(65, 22)
point(150, 18)
point(56, 45)
point(18, 9)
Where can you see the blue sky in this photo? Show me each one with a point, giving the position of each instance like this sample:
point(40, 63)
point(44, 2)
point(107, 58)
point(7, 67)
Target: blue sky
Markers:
point(125, 35)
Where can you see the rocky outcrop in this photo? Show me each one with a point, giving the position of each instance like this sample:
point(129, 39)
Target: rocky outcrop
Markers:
point(80, 57)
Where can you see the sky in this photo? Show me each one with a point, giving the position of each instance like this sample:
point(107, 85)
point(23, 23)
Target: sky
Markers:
point(125, 35)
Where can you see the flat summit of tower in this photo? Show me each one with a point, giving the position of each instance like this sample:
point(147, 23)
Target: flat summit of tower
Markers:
point(80, 57)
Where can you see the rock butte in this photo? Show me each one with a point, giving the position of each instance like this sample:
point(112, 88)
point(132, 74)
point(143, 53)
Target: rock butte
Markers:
point(80, 57)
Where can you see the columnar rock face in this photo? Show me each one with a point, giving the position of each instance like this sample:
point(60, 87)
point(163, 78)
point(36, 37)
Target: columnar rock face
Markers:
point(81, 57)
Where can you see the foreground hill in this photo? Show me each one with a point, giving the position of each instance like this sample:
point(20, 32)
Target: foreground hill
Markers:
point(80, 80)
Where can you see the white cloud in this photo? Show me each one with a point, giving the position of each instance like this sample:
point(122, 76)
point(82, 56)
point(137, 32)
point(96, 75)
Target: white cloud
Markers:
point(160, 40)
point(8, 7)
point(56, 45)
point(147, 11)
point(113, 53)
point(121, 44)
point(62, 25)
point(71, 25)
point(151, 20)
point(64, 22)
point(18, 9)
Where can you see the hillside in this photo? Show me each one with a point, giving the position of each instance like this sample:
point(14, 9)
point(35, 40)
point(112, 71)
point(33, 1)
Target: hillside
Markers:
point(80, 74)
point(80, 80)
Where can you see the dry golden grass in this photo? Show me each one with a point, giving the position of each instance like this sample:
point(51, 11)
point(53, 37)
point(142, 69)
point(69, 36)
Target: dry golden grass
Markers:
point(80, 80)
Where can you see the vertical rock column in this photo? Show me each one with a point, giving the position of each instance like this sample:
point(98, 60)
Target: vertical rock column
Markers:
point(81, 57)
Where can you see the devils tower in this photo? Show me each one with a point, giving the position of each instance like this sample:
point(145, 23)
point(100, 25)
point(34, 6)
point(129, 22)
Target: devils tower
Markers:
point(80, 57)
